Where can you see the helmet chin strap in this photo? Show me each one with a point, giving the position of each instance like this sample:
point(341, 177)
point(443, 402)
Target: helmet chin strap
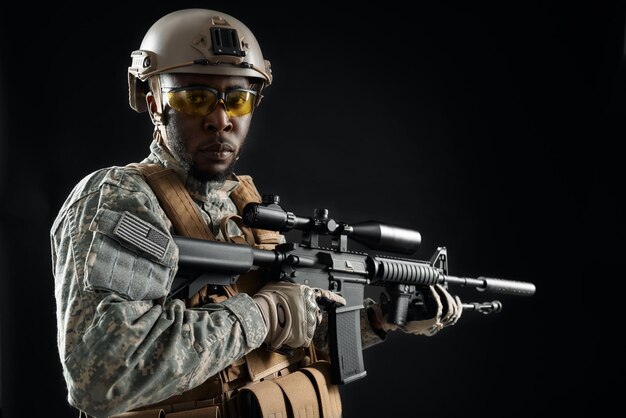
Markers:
point(159, 133)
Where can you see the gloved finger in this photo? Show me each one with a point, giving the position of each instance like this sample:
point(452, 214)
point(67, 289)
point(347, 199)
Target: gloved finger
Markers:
point(326, 296)
point(313, 311)
point(459, 310)
point(438, 304)
point(449, 305)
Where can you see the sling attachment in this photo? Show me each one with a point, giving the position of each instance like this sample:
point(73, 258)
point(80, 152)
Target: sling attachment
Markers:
point(247, 238)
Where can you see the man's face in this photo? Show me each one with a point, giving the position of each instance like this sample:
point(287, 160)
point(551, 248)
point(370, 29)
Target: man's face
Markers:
point(208, 146)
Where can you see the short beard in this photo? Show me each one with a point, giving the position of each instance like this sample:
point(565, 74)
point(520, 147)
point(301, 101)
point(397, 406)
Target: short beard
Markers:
point(177, 148)
point(205, 178)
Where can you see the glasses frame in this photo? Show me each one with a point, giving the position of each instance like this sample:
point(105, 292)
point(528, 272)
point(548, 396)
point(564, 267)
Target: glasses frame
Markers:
point(221, 97)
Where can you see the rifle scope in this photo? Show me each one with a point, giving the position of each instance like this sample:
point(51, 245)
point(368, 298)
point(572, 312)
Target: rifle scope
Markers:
point(373, 234)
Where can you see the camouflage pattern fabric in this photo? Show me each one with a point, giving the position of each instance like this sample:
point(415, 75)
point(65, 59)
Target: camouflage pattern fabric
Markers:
point(121, 342)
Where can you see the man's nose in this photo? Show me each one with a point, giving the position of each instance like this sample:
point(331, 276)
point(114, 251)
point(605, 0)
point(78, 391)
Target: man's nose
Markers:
point(218, 120)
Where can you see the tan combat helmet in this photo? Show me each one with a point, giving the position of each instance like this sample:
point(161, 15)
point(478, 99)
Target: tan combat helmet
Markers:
point(197, 41)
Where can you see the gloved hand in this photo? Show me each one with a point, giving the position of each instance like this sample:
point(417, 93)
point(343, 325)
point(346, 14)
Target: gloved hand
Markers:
point(444, 308)
point(291, 312)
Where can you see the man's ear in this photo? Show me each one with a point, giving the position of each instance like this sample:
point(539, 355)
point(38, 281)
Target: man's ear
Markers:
point(153, 109)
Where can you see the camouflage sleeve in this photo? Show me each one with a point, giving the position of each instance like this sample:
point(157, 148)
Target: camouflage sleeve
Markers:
point(122, 344)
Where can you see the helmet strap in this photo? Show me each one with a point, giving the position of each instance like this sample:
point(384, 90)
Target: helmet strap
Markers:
point(157, 117)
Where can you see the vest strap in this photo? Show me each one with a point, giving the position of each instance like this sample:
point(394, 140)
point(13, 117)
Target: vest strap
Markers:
point(180, 208)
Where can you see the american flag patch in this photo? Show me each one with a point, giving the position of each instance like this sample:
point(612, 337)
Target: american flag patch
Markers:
point(142, 235)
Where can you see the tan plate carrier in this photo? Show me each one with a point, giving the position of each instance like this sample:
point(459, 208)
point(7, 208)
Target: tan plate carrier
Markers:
point(282, 386)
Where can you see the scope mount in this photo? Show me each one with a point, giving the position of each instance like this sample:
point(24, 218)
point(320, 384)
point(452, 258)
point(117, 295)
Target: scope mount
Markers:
point(320, 224)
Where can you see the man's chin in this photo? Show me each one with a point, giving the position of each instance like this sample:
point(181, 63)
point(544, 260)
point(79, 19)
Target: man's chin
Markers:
point(204, 176)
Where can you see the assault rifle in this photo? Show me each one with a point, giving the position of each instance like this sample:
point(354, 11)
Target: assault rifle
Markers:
point(334, 268)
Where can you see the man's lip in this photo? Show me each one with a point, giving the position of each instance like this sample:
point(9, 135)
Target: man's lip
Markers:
point(218, 154)
point(218, 148)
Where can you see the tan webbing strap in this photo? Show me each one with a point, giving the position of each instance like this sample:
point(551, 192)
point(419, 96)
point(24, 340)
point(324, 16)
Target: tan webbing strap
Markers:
point(327, 393)
point(175, 201)
point(269, 397)
point(300, 393)
point(248, 236)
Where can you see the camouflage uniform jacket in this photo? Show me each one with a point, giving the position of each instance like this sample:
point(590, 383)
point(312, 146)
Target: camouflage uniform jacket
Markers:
point(121, 342)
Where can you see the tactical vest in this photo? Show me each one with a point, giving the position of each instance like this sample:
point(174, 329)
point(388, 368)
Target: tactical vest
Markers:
point(263, 382)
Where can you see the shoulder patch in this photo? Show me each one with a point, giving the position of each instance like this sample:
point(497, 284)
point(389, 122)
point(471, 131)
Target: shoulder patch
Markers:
point(142, 234)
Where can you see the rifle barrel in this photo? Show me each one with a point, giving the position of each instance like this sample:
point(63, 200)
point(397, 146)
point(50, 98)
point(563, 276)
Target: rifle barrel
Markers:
point(510, 287)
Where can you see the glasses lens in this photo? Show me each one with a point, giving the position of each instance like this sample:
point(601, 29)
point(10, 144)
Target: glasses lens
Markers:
point(194, 102)
point(239, 102)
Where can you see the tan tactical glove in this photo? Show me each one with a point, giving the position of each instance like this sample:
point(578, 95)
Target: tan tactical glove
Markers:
point(291, 312)
point(447, 310)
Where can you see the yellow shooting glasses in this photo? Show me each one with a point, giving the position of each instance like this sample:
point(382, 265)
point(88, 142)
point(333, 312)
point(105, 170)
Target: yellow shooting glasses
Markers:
point(202, 100)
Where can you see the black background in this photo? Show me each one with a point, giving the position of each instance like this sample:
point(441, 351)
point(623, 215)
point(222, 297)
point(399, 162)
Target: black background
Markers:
point(492, 128)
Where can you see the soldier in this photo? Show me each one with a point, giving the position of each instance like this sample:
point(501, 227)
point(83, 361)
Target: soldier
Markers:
point(128, 346)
